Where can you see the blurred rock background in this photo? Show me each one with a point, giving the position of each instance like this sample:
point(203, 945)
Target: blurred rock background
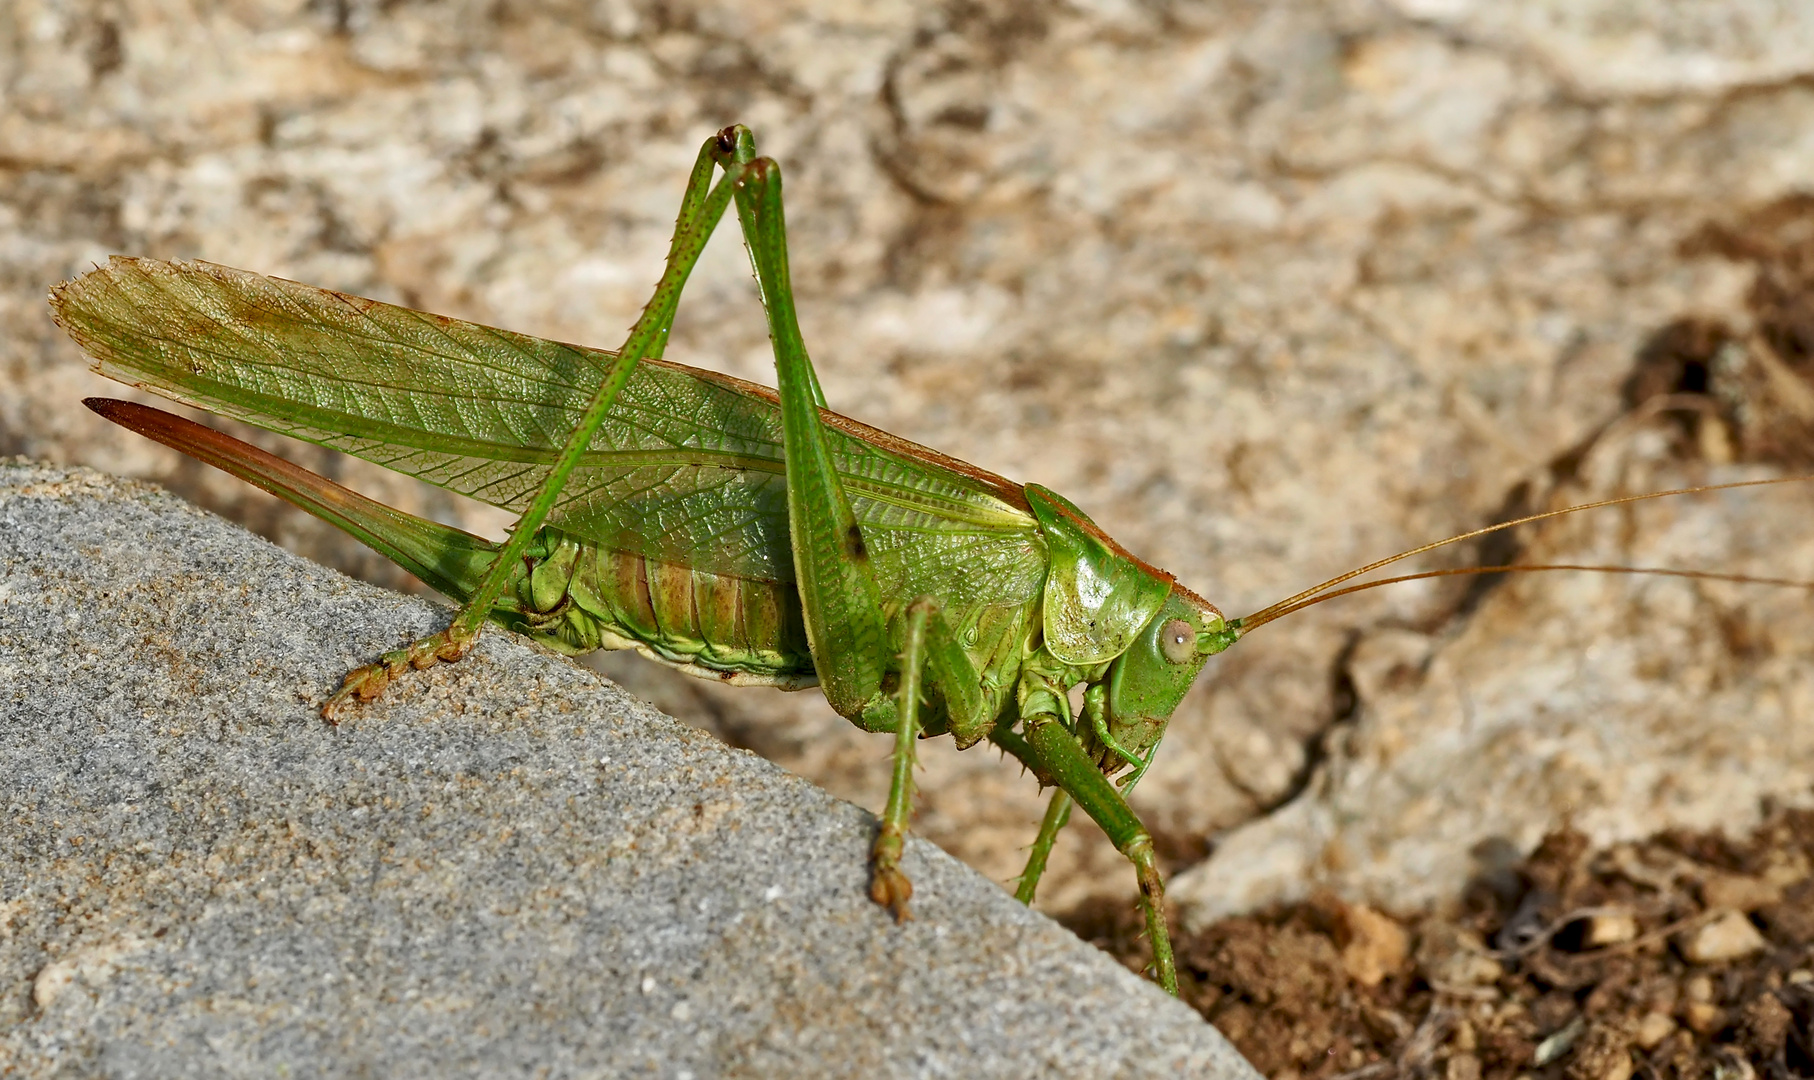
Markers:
point(1270, 289)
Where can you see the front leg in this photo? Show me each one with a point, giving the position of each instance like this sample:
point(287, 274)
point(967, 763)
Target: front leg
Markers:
point(1053, 753)
point(363, 684)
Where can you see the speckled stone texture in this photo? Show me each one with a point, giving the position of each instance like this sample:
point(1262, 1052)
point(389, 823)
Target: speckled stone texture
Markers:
point(506, 868)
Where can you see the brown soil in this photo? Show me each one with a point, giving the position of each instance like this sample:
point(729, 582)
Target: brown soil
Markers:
point(1681, 956)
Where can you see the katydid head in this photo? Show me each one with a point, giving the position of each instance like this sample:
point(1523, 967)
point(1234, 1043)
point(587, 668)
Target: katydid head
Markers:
point(1146, 682)
point(1103, 606)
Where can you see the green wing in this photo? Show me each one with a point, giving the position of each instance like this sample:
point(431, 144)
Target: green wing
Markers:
point(687, 468)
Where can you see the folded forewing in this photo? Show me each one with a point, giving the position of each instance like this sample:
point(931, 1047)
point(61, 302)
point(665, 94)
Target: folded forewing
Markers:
point(687, 466)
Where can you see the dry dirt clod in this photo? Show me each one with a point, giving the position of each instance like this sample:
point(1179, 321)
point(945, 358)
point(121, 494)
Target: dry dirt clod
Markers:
point(1377, 945)
point(1454, 958)
point(1766, 1024)
point(1603, 1053)
point(1791, 922)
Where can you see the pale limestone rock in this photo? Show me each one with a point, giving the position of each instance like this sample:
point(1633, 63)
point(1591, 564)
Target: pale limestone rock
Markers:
point(1653, 1029)
point(1270, 289)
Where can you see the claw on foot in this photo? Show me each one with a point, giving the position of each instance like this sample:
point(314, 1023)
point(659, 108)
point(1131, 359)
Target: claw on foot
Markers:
point(365, 684)
point(889, 886)
point(891, 889)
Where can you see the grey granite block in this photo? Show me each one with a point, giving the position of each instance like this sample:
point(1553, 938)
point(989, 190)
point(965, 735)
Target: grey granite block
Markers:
point(506, 867)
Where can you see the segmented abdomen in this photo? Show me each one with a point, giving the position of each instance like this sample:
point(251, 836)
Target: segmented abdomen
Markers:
point(581, 597)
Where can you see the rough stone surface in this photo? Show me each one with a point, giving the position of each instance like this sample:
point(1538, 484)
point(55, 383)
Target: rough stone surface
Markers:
point(1607, 702)
point(1270, 289)
point(509, 867)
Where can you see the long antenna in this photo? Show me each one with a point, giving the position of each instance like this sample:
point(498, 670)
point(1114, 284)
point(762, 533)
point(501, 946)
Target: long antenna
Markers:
point(1296, 602)
point(1698, 575)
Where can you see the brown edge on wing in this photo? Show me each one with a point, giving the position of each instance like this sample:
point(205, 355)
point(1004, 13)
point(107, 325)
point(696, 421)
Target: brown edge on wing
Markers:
point(999, 486)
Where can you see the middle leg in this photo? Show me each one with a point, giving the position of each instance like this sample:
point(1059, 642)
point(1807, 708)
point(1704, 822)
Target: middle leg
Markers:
point(1058, 815)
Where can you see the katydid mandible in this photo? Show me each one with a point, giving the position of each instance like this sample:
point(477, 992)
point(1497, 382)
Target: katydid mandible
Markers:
point(716, 526)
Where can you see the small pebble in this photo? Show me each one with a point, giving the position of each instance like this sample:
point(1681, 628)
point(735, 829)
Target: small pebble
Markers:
point(1788, 868)
point(1465, 1039)
point(1729, 937)
point(1462, 1067)
point(1703, 1017)
point(1653, 1029)
point(50, 982)
point(1610, 928)
point(1560, 1043)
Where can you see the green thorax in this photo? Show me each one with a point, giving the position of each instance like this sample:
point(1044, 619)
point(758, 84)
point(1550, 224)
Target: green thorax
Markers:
point(1097, 596)
point(1129, 630)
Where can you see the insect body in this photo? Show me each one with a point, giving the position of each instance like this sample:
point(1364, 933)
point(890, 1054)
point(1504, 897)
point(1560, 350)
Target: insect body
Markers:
point(726, 529)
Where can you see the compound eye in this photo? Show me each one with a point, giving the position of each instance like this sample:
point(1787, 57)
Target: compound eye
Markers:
point(1178, 641)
